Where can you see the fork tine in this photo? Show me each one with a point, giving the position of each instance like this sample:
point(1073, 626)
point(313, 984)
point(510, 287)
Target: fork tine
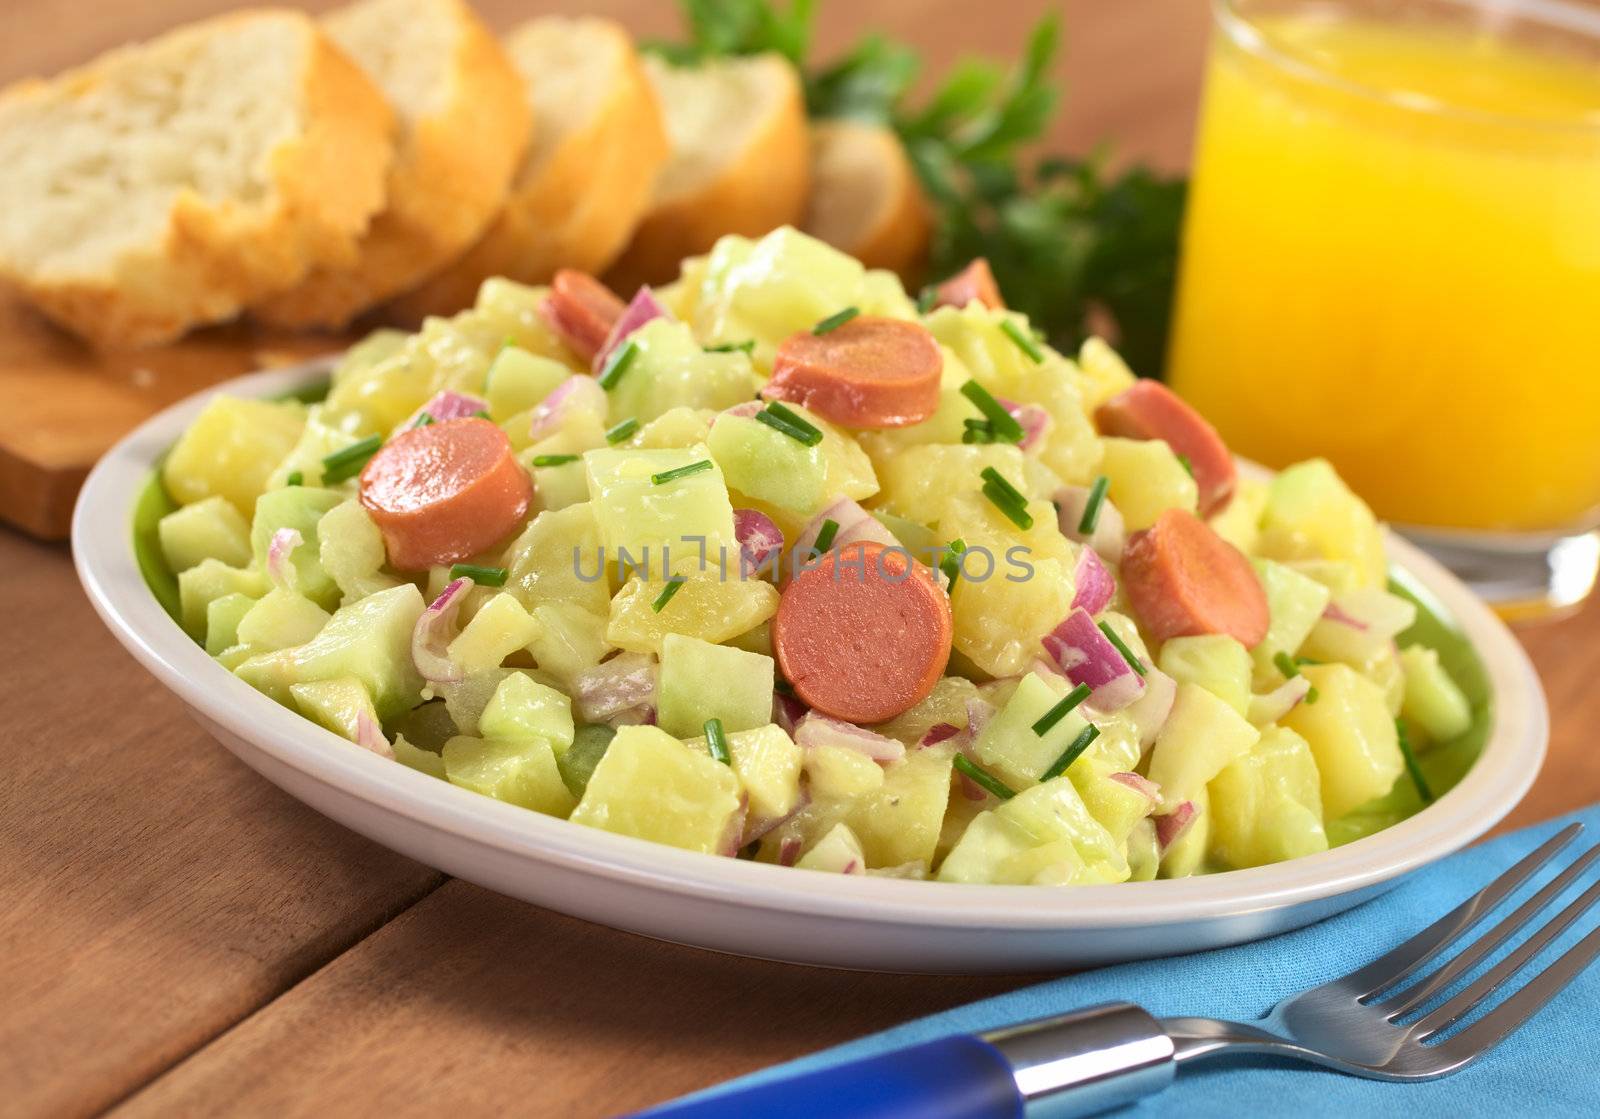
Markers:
point(1463, 1003)
point(1487, 1032)
point(1416, 996)
point(1390, 968)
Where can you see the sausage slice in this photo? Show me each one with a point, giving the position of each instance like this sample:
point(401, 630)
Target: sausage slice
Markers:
point(582, 311)
point(865, 634)
point(870, 372)
point(975, 281)
point(1183, 580)
point(446, 492)
point(1150, 410)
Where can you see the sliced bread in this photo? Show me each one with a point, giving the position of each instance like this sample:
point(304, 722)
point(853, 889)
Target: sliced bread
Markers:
point(741, 161)
point(865, 197)
point(170, 183)
point(598, 141)
point(463, 126)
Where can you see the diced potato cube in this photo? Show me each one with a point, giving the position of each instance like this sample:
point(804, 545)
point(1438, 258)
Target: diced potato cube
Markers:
point(677, 526)
point(899, 821)
point(1352, 737)
point(1116, 805)
point(1104, 373)
point(947, 703)
point(1433, 701)
point(1295, 602)
point(839, 773)
point(1187, 855)
point(522, 707)
point(1008, 744)
point(209, 529)
point(1146, 480)
point(1267, 806)
point(1203, 734)
point(651, 786)
point(558, 559)
point(701, 681)
point(1240, 522)
point(340, 705)
point(1002, 845)
point(280, 620)
point(520, 771)
point(1216, 662)
point(230, 449)
point(318, 439)
point(838, 852)
point(350, 549)
point(499, 628)
point(921, 482)
point(569, 640)
point(1312, 514)
point(675, 428)
point(712, 609)
point(512, 309)
point(768, 764)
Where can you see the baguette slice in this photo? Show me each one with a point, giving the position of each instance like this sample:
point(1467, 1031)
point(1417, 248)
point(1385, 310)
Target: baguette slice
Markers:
point(463, 127)
point(865, 197)
point(741, 162)
point(585, 180)
point(170, 183)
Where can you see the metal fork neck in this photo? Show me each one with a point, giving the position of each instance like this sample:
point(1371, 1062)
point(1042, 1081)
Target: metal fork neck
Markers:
point(1088, 1061)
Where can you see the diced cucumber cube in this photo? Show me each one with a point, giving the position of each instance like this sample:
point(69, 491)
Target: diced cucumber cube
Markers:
point(338, 705)
point(766, 465)
point(518, 380)
point(222, 621)
point(1201, 735)
point(589, 745)
point(208, 529)
point(280, 620)
point(1295, 603)
point(1433, 701)
point(670, 369)
point(350, 549)
point(521, 772)
point(524, 708)
point(1008, 744)
point(679, 525)
point(1216, 662)
point(568, 640)
point(208, 581)
point(1043, 833)
point(701, 681)
point(300, 508)
point(1311, 514)
point(415, 757)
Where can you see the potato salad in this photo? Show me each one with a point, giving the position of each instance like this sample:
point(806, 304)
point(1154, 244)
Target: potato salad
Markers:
point(778, 562)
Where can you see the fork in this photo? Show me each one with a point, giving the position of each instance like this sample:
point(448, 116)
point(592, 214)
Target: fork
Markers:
point(1376, 1022)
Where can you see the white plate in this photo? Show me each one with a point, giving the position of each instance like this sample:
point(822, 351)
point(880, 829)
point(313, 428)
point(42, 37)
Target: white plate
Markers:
point(754, 909)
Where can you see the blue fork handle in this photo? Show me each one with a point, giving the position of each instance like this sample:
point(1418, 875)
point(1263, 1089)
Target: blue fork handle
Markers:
point(1075, 1064)
point(959, 1077)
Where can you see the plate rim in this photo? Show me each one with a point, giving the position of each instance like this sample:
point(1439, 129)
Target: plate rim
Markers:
point(102, 547)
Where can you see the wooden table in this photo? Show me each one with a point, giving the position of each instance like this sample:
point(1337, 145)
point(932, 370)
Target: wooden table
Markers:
point(180, 938)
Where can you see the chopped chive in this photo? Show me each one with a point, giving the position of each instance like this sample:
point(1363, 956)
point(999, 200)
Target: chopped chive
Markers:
point(424, 420)
point(1014, 512)
point(1024, 343)
point(295, 478)
point(835, 321)
point(480, 414)
point(623, 430)
point(1127, 653)
point(825, 535)
point(779, 684)
point(1312, 695)
point(782, 418)
point(1091, 507)
point(1412, 767)
point(618, 364)
point(483, 576)
point(667, 592)
point(554, 460)
point(747, 346)
point(993, 784)
point(977, 431)
point(1285, 664)
point(347, 463)
point(1188, 467)
point(950, 565)
point(717, 742)
point(1071, 754)
point(1306, 660)
point(926, 298)
point(1001, 422)
point(677, 472)
point(990, 474)
point(1061, 710)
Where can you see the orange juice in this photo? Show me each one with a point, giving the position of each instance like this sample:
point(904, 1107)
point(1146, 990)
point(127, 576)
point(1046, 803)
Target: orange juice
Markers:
point(1392, 258)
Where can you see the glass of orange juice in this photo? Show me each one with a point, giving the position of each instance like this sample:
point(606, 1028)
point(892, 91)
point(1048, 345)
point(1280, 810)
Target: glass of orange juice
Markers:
point(1391, 258)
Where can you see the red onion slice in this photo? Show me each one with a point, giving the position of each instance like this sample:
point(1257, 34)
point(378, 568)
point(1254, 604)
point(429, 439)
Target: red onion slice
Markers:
point(855, 525)
point(1109, 533)
point(732, 836)
point(817, 729)
point(789, 851)
point(644, 307)
point(369, 736)
point(1088, 657)
point(756, 828)
point(280, 571)
point(787, 711)
point(1274, 705)
point(1035, 421)
point(625, 682)
point(580, 391)
point(1375, 611)
point(1173, 826)
point(939, 732)
point(979, 712)
point(760, 541)
point(433, 632)
point(448, 405)
point(1094, 581)
point(1141, 785)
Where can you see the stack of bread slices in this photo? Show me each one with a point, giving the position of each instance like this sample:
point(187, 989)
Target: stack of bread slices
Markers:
point(392, 155)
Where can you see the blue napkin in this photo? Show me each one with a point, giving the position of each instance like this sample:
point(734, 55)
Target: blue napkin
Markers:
point(1546, 1068)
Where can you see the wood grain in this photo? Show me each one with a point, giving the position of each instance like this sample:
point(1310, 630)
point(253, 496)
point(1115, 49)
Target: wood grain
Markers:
point(155, 890)
point(178, 933)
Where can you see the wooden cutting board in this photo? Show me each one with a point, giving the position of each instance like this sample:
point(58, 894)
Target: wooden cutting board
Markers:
point(62, 405)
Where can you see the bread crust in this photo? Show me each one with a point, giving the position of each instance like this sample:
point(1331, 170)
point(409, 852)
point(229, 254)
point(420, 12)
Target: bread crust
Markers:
point(576, 210)
point(445, 186)
point(763, 187)
point(895, 234)
point(214, 258)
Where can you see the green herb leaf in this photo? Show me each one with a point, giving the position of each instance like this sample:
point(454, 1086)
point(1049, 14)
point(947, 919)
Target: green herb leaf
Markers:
point(1071, 754)
point(1091, 507)
point(677, 472)
point(748, 346)
point(483, 576)
point(618, 364)
point(717, 742)
point(950, 565)
point(1412, 767)
point(1024, 341)
point(996, 786)
point(295, 478)
point(1060, 711)
point(1002, 423)
point(623, 430)
point(553, 460)
point(1127, 653)
point(347, 462)
point(836, 320)
point(780, 417)
point(1285, 664)
point(825, 535)
point(667, 592)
